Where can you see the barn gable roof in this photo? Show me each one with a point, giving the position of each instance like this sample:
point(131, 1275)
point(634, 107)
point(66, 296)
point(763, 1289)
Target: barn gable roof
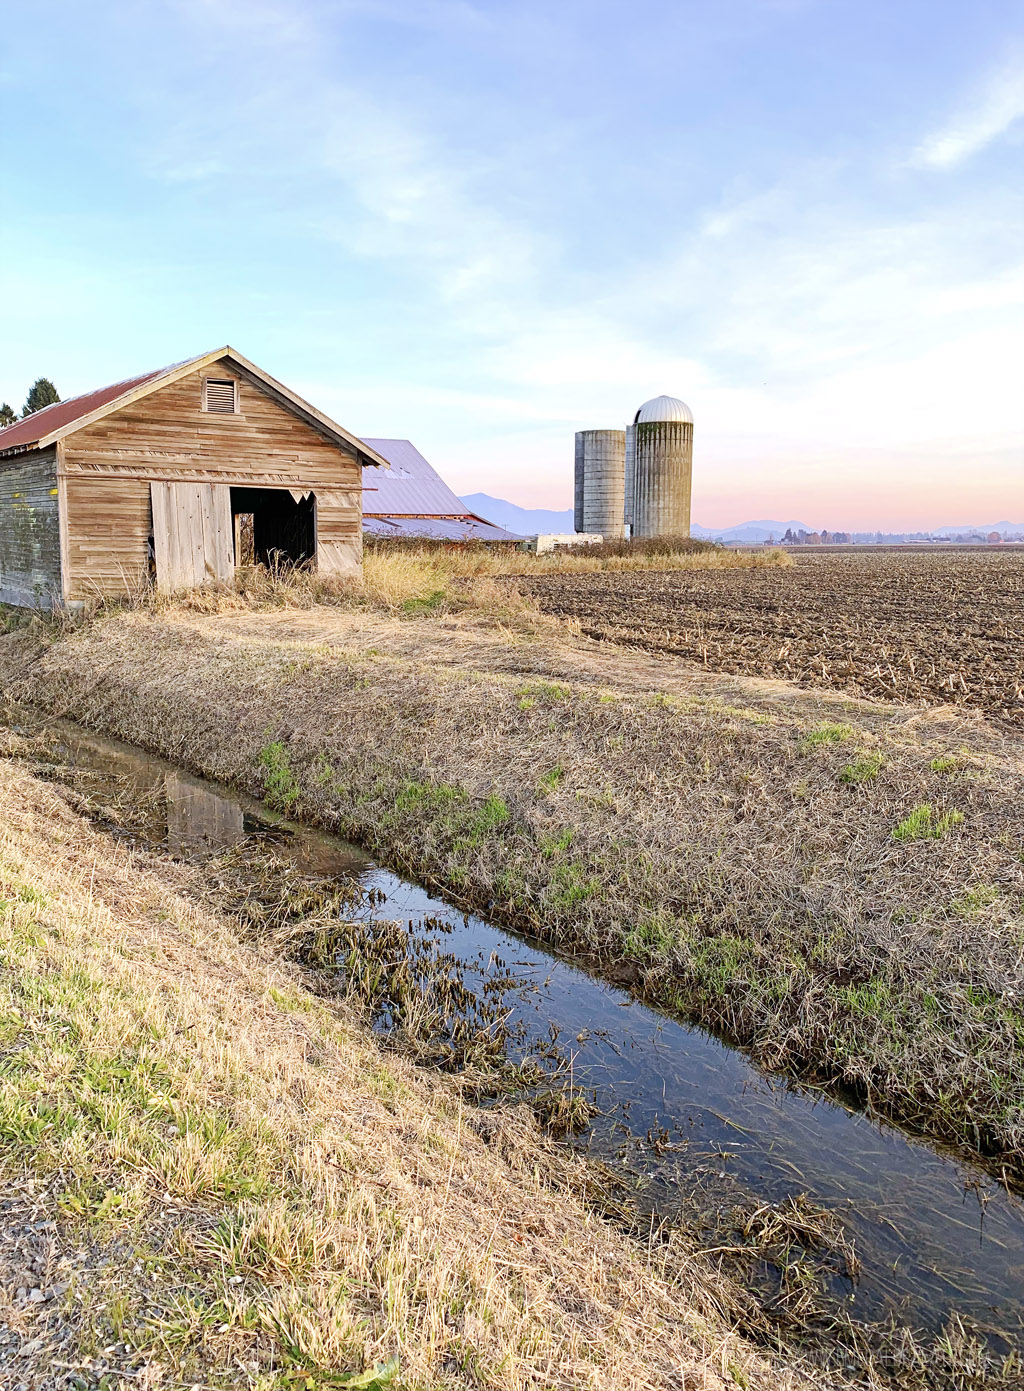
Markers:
point(36, 429)
point(52, 423)
point(413, 486)
point(414, 500)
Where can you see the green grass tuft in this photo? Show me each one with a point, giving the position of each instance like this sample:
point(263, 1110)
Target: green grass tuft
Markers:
point(280, 786)
point(861, 770)
point(426, 603)
point(550, 780)
point(551, 847)
point(653, 939)
point(826, 734)
point(923, 824)
point(971, 902)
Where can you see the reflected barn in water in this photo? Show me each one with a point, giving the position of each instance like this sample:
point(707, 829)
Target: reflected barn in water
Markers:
point(200, 820)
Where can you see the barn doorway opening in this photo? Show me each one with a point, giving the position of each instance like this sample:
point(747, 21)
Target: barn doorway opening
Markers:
point(273, 526)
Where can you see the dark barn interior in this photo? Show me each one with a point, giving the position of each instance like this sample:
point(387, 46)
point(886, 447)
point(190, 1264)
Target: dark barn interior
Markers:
point(272, 528)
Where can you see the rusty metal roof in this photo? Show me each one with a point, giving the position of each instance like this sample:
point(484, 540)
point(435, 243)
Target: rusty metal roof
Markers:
point(23, 434)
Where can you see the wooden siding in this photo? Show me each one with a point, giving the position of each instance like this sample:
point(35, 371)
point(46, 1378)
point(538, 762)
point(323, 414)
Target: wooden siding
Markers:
point(30, 568)
point(108, 527)
point(339, 533)
point(337, 521)
point(168, 438)
point(193, 538)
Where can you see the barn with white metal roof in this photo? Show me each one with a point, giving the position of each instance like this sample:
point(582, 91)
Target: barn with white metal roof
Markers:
point(411, 500)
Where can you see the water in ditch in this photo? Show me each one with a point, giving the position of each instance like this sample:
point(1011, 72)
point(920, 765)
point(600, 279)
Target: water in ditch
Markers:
point(690, 1123)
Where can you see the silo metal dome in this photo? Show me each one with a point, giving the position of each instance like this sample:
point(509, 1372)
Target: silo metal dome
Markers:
point(659, 460)
point(663, 409)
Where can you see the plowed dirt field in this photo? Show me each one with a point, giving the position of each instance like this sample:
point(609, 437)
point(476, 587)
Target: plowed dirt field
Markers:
point(935, 626)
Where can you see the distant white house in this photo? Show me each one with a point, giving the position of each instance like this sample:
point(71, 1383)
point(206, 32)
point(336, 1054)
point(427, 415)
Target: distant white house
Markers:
point(549, 541)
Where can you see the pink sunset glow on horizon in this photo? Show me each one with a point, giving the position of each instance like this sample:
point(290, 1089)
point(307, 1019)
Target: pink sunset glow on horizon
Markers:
point(537, 234)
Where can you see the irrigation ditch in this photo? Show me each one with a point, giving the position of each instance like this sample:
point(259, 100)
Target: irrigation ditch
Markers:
point(857, 1242)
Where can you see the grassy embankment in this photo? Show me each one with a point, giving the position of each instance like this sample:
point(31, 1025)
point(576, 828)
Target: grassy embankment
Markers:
point(422, 579)
point(209, 1175)
point(838, 884)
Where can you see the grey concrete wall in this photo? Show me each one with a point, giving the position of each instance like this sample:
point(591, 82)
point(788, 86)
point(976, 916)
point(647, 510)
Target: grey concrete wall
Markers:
point(664, 468)
point(630, 491)
point(604, 482)
point(578, 488)
point(30, 530)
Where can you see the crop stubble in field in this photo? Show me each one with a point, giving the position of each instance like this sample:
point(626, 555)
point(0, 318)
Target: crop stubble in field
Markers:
point(933, 626)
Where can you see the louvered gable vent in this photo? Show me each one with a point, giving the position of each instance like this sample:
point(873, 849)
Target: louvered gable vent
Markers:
point(219, 396)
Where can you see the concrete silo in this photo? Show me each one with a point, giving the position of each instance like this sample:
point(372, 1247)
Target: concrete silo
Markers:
point(580, 488)
point(600, 483)
point(630, 478)
point(659, 468)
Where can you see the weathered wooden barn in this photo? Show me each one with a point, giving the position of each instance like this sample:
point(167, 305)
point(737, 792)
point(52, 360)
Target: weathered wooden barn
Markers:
point(175, 477)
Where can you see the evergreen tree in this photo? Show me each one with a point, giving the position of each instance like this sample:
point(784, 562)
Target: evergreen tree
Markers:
point(42, 393)
point(7, 416)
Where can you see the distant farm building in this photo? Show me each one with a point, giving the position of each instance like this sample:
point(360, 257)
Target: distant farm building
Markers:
point(412, 501)
point(176, 476)
point(548, 541)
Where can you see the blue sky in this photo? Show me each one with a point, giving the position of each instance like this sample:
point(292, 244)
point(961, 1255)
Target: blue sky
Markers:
point(486, 225)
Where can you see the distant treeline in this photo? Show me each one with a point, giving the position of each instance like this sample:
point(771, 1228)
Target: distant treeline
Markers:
point(894, 538)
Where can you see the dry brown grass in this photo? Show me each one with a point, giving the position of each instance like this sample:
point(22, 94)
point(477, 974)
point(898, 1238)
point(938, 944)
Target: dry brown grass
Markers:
point(436, 566)
point(416, 580)
point(761, 856)
point(718, 558)
point(241, 1190)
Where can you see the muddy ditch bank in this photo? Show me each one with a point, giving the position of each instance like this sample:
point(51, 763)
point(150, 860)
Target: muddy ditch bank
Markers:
point(835, 1222)
point(842, 898)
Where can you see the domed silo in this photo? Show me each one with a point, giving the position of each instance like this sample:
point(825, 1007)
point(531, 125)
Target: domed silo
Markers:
point(601, 482)
point(662, 466)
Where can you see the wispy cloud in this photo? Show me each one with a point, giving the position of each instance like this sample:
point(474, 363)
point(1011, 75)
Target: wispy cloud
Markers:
point(391, 188)
point(439, 219)
point(990, 115)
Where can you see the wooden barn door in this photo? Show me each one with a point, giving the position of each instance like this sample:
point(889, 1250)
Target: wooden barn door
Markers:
point(192, 536)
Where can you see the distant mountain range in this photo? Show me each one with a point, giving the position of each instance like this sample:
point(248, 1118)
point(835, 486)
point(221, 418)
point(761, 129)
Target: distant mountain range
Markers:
point(748, 531)
point(524, 521)
point(527, 521)
point(982, 529)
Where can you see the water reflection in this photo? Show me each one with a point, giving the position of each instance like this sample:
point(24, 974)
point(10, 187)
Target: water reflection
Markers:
point(704, 1126)
point(200, 820)
point(192, 817)
point(685, 1111)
